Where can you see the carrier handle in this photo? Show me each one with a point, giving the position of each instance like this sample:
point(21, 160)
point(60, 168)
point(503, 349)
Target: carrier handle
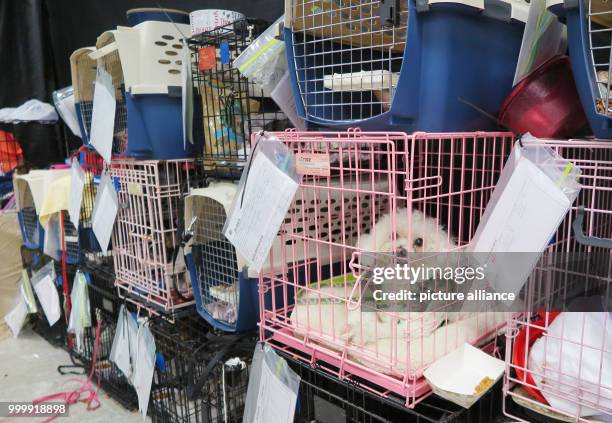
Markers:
point(581, 238)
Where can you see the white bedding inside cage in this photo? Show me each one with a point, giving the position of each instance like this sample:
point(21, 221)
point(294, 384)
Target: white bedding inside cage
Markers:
point(572, 363)
point(426, 338)
point(376, 80)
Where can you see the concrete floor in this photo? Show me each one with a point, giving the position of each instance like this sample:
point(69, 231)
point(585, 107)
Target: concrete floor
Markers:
point(28, 369)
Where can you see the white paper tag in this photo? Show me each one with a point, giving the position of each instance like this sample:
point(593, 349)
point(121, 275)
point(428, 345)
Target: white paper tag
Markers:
point(77, 182)
point(275, 402)
point(105, 209)
point(103, 115)
point(253, 225)
point(528, 212)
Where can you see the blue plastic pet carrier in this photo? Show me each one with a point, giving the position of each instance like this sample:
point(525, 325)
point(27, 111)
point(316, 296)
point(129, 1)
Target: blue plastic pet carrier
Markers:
point(589, 32)
point(145, 63)
point(151, 57)
point(402, 64)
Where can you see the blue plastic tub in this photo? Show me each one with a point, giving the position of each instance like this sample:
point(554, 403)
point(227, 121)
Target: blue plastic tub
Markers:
point(155, 127)
point(452, 51)
point(32, 232)
point(579, 40)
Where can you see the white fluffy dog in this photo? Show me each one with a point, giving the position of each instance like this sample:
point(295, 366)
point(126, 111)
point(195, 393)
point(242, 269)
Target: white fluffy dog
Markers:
point(422, 234)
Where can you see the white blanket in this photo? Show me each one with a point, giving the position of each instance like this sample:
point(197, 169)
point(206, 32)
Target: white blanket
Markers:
point(391, 343)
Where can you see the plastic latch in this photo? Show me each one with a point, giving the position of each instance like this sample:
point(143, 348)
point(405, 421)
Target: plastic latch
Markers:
point(389, 12)
point(281, 31)
point(498, 9)
point(175, 91)
point(422, 5)
point(570, 4)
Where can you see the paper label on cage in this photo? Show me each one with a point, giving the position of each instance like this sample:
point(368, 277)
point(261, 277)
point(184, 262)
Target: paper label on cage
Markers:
point(276, 401)
point(77, 183)
point(313, 164)
point(134, 188)
point(524, 218)
point(207, 58)
point(103, 115)
point(256, 219)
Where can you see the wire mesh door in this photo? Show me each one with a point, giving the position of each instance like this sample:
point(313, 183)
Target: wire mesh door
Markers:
point(71, 240)
point(83, 70)
point(30, 226)
point(144, 236)
point(348, 55)
point(559, 352)
point(599, 19)
point(232, 107)
point(216, 262)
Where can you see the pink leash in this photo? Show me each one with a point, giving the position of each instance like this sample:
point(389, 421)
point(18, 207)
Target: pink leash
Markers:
point(83, 393)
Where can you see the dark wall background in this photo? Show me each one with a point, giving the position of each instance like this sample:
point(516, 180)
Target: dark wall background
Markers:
point(37, 38)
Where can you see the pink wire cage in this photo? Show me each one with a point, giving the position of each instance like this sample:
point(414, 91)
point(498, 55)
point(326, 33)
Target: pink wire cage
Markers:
point(559, 356)
point(144, 237)
point(385, 194)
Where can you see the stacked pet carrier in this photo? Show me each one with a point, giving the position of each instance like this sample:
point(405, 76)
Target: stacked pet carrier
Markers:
point(232, 108)
point(145, 239)
point(559, 351)
point(589, 25)
point(402, 65)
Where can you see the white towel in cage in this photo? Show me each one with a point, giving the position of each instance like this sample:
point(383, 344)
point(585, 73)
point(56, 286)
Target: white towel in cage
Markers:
point(572, 363)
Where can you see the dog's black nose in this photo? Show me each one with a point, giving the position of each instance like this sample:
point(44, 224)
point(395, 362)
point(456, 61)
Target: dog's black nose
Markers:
point(401, 252)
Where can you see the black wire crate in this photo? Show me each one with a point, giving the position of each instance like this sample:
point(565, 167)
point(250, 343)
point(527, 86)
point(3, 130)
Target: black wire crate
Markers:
point(326, 399)
point(107, 374)
point(231, 107)
point(200, 376)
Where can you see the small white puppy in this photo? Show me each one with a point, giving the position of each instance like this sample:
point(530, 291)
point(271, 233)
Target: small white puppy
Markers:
point(422, 234)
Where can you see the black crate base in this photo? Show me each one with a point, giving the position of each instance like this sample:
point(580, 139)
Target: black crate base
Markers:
point(325, 399)
point(182, 392)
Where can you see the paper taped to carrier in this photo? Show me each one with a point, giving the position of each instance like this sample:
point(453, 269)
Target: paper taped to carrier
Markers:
point(533, 195)
point(259, 211)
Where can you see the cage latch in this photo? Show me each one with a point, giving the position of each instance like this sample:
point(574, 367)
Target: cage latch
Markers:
point(389, 12)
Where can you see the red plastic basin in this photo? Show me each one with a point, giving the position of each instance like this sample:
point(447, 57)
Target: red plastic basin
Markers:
point(545, 103)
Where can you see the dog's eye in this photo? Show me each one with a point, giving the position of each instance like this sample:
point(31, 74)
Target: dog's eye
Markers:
point(418, 242)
